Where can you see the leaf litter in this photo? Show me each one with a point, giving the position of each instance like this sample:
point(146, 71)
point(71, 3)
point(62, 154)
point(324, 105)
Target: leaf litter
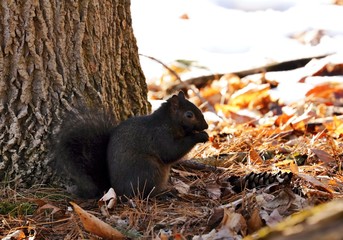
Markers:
point(266, 160)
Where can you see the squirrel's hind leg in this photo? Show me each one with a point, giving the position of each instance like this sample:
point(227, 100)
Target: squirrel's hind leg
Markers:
point(83, 186)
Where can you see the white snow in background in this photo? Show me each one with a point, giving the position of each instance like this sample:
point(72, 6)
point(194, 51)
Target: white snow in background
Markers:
point(232, 35)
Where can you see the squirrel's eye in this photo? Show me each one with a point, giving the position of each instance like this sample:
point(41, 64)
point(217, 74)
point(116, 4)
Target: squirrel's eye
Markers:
point(189, 114)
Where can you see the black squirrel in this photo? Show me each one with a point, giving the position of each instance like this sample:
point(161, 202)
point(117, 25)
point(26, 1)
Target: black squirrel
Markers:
point(133, 157)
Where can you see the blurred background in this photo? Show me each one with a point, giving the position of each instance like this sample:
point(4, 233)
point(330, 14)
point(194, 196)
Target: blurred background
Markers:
point(232, 35)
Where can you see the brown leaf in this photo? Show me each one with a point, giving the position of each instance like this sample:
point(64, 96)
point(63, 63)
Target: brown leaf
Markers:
point(184, 174)
point(49, 206)
point(211, 94)
point(300, 123)
point(230, 112)
point(331, 68)
point(272, 218)
point(178, 236)
point(250, 96)
point(282, 119)
point(293, 167)
point(282, 201)
point(16, 235)
point(180, 186)
point(213, 191)
point(163, 235)
point(233, 222)
point(215, 218)
point(335, 126)
point(316, 183)
point(324, 90)
point(255, 222)
point(94, 225)
point(184, 16)
point(255, 158)
point(323, 156)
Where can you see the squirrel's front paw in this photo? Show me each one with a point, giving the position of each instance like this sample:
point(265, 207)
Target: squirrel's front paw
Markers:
point(202, 136)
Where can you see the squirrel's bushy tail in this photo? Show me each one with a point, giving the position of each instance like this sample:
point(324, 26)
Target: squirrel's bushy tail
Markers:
point(80, 151)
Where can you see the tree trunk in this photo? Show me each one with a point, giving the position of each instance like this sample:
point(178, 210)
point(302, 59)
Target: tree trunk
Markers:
point(54, 55)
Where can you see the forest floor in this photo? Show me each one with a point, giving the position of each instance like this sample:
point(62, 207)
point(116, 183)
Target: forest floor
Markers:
point(273, 166)
point(265, 161)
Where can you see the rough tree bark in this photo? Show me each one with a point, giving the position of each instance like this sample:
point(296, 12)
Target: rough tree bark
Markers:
point(55, 54)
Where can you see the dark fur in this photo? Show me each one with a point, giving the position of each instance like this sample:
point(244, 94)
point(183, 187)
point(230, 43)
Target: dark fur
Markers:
point(133, 157)
point(80, 151)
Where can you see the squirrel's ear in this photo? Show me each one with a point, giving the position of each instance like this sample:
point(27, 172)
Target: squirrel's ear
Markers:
point(174, 101)
point(181, 95)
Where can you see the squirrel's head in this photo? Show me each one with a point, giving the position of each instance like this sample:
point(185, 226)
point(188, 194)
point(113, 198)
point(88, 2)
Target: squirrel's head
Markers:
point(187, 114)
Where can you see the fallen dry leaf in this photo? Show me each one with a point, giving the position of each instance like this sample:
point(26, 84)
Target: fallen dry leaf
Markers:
point(231, 112)
point(108, 201)
point(316, 183)
point(282, 119)
point(180, 186)
point(213, 191)
point(255, 222)
point(233, 223)
point(282, 201)
point(49, 206)
point(95, 226)
point(216, 217)
point(250, 96)
point(271, 218)
point(323, 156)
point(254, 157)
point(325, 90)
point(16, 235)
point(293, 167)
point(335, 126)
